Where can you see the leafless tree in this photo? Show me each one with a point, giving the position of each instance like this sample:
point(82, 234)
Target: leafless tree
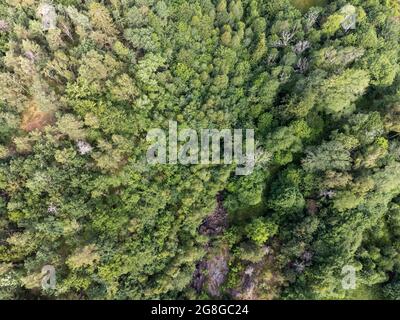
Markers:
point(52, 209)
point(328, 194)
point(249, 270)
point(4, 26)
point(67, 31)
point(299, 267)
point(84, 147)
point(30, 55)
point(307, 256)
point(286, 37)
point(302, 65)
point(301, 46)
point(352, 55)
point(311, 18)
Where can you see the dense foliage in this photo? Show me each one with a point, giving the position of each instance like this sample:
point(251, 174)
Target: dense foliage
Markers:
point(81, 84)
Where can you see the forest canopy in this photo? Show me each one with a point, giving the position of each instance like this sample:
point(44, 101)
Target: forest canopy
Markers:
point(83, 82)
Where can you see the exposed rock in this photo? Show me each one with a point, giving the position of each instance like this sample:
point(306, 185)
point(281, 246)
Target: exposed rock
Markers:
point(217, 268)
point(199, 277)
point(216, 223)
point(211, 273)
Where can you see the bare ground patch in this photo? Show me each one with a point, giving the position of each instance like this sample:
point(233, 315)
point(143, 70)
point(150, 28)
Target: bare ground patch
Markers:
point(33, 118)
